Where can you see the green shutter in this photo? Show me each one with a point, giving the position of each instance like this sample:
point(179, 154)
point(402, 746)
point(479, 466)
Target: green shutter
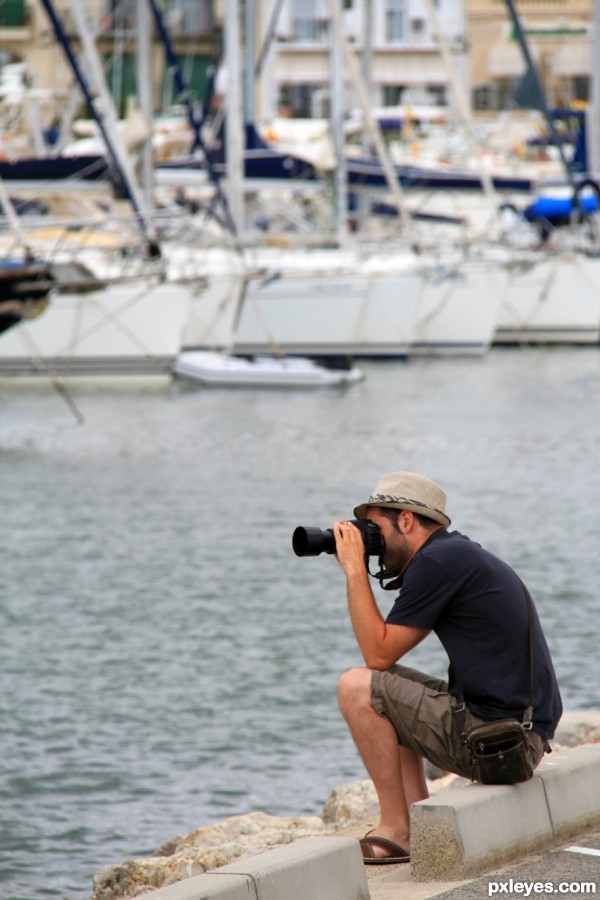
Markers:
point(120, 74)
point(194, 71)
point(12, 12)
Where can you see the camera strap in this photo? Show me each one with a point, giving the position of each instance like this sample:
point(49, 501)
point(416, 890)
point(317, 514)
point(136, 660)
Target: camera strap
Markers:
point(383, 574)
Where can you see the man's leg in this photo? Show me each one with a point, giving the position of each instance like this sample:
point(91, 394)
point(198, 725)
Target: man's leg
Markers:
point(397, 773)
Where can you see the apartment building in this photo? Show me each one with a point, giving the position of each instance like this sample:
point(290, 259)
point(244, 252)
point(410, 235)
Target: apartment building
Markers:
point(397, 43)
point(394, 40)
point(559, 36)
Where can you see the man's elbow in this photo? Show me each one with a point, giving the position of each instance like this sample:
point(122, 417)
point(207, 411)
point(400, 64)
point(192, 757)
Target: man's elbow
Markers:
point(379, 661)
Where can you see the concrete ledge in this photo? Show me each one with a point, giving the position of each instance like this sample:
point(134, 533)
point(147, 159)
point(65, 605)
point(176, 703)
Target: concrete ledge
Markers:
point(463, 832)
point(572, 786)
point(314, 868)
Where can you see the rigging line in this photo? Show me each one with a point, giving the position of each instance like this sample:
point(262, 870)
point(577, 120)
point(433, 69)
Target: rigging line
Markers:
point(120, 32)
point(37, 358)
point(120, 160)
point(276, 347)
point(526, 321)
point(540, 99)
point(235, 291)
point(371, 124)
point(13, 220)
point(194, 120)
point(443, 298)
point(269, 36)
point(579, 263)
point(392, 307)
point(461, 100)
point(112, 318)
point(363, 308)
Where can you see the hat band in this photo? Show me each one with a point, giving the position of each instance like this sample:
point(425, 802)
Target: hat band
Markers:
point(393, 498)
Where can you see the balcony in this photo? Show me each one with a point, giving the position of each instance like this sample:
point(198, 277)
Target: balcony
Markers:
point(310, 31)
point(183, 18)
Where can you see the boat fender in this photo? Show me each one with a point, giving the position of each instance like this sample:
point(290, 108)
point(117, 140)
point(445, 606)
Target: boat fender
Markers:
point(589, 204)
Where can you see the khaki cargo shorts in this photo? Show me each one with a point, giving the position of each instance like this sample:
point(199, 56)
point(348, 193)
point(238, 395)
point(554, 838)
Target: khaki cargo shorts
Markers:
point(422, 713)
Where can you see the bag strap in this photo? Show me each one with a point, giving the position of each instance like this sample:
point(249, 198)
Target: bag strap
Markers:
point(528, 715)
point(460, 709)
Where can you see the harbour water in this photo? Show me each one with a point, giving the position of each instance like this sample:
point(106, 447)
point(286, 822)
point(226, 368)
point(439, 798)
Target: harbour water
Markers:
point(166, 661)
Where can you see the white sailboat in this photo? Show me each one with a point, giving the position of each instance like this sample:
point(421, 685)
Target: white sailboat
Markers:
point(428, 301)
point(115, 315)
point(124, 329)
point(550, 298)
point(349, 300)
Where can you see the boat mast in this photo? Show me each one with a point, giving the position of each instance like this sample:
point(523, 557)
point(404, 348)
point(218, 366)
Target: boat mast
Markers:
point(336, 118)
point(369, 119)
point(193, 116)
point(107, 121)
point(144, 90)
point(461, 100)
point(540, 96)
point(234, 131)
point(593, 111)
point(268, 38)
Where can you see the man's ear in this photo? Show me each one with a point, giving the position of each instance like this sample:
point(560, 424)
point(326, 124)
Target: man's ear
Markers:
point(405, 521)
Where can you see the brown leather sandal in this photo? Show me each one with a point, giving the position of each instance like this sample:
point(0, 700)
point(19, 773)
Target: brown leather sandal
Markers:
point(394, 852)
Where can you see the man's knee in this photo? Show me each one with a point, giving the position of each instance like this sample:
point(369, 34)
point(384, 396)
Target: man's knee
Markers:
point(354, 689)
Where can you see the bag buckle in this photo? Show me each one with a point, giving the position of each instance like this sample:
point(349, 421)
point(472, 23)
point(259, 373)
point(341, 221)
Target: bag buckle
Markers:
point(526, 724)
point(459, 708)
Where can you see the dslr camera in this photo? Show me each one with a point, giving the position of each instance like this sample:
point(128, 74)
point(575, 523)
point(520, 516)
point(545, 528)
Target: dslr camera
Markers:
point(313, 541)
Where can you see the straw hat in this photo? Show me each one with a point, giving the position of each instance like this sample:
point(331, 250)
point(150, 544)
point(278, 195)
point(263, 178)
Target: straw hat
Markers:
point(405, 490)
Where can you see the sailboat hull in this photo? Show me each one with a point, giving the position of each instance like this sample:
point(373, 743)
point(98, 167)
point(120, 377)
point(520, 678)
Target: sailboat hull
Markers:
point(127, 330)
point(551, 300)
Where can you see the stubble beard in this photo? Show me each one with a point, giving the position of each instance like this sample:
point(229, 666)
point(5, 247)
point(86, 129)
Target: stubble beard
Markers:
point(398, 556)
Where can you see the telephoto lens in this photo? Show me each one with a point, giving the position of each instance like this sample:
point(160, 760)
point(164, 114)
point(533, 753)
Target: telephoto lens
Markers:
point(312, 541)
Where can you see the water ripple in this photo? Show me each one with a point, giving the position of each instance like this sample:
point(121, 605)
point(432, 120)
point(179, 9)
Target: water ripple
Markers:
point(166, 661)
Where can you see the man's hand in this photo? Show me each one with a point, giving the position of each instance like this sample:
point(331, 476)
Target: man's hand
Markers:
point(381, 644)
point(350, 549)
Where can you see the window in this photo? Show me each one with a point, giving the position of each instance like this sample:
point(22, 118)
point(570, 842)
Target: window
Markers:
point(307, 25)
point(496, 95)
point(483, 97)
point(188, 17)
point(120, 73)
point(299, 100)
point(395, 21)
point(121, 14)
point(580, 88)
point(438, 93)
point(194, 69)
point(392, 94)
point(310, 30)
point(181, 17)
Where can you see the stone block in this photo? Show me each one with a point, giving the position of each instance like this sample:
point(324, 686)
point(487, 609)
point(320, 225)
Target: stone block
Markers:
point(318, 868)
point(572, 786)
point(462, 832)
point(210, 886)
point(314, 868)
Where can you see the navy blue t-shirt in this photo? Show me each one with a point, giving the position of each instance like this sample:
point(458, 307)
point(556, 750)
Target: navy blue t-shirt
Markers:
point(475, 604)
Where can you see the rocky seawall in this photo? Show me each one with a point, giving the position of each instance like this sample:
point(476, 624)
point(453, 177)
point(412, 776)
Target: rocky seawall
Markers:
point(350, 809)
